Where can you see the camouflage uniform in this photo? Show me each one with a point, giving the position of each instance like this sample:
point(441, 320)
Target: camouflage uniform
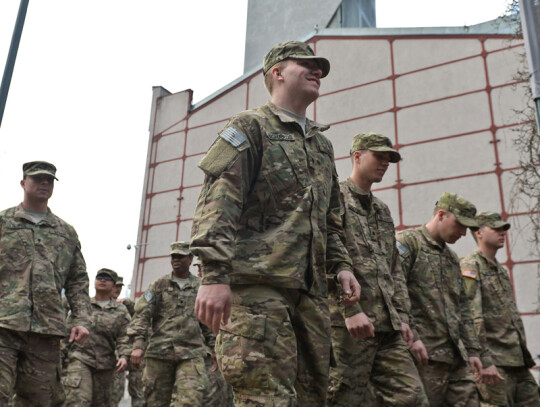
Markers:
point(90, 367)
point(37, 260)
point(442, 317)
point(176, 349)
point(268, 223)
point(499, 327)
point(384, 360)
point(134, 376)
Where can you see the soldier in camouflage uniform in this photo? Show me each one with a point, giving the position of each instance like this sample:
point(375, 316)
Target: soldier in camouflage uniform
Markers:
point(135, 386)
point(381, 357)
point(40, 254)
point(268, 231)
point(176, 349)
point(506, 376)
point(445, 339)
point(89, 372)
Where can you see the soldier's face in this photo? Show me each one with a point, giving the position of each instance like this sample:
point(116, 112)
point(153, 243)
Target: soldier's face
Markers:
point(38, 187)
point(493, 238)
point(302, 78)
point(116, 291)
point(450, 229)
point(371, 165)
point(104, 283)
point(180, 265)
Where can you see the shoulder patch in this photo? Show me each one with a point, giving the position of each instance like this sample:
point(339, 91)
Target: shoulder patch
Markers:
point(403, 250)
point(148, 295)
point(233, 136)
point(469, 273)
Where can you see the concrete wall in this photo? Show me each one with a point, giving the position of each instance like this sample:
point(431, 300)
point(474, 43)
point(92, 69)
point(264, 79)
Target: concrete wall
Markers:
point(447, 101)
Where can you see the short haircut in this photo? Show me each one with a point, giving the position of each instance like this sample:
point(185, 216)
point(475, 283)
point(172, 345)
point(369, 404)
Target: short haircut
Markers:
point(268, 78)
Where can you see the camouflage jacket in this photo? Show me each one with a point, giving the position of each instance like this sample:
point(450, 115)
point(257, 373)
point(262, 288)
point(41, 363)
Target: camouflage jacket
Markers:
point(36, 262)
point(439, 303)
point(108, 337)
point(269, 210)
point(169, 312)
point(371, 243)
point(495, 313)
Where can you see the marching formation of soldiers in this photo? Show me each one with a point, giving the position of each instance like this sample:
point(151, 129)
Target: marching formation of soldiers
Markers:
point(306, 295)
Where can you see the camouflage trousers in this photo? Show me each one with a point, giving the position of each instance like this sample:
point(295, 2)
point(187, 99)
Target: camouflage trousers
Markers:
point(30, 367)
point(188, 377)
point(219, 393)
point(135, 388)
point(275, 349)
point(86, 386)
point(449, 385)
point(518, 389)
point(382, 362)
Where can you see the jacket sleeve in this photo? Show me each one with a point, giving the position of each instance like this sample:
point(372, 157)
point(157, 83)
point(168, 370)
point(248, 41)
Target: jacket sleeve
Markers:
point(123, 343)
point(229, 173)
point(142, 319)
point(401, 299)
point(473, 289)
point(76, 287)
point(466, 327)
point(407, 252)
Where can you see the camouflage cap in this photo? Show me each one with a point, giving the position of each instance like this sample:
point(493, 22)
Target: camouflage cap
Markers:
point(119, 281)
point(39, 167)
point(463, 210)
point(374, 142)
point(181, 248)
point(492, 220)
point(109, 273)
point(294, 50)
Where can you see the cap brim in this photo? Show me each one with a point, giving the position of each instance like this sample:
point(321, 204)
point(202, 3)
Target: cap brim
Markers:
point(180, 253)
point(498, 225)
point(468, 222)
point(394, 155)
point(42, 172)
point(324, 64)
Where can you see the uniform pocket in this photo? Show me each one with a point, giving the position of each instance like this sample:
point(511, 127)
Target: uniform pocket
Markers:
point(241, 349)
point(72, 381)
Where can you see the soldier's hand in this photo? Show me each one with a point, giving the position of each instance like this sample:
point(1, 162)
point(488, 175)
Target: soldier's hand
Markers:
point(78, 334)
point(360, 326)
point(213, 305)
point(476, 365)
point(350, 287)
point(420, 353)
point(136, 358)
point(121, 365)
point(407, 334)
point(490, 376)
point(214, 363)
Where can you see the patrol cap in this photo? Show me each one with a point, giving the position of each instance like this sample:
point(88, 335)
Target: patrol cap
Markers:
point(374, 142)
point(39, 167)
point(463, 210)
point(181, 248)
point(119, 281)
point(294, 50)
point(492, 220)
point(109, 273)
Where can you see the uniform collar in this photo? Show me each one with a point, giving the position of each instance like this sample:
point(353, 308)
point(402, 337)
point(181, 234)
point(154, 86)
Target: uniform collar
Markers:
point(284, 118)
point(430, 240)
point(112, 303)
point(49, 219)
point(191, 279)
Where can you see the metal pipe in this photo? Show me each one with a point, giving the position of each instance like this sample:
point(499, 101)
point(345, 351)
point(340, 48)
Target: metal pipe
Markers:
point(12, 55)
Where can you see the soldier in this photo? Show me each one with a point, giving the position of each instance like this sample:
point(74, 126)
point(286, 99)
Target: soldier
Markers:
point(508, 381)
point(382, 356)
point(176, 349)
point(135, 386)
point(445, 339)
point(90, 367)
point(267, 229)
point(40, 254)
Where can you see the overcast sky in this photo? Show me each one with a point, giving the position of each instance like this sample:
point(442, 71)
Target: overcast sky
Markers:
point(81, 93)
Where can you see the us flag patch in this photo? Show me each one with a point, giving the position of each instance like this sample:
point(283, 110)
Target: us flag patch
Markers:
point(469, 273)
